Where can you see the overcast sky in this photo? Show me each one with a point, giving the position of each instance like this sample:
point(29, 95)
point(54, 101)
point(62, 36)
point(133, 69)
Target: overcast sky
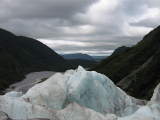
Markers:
point(87, 26)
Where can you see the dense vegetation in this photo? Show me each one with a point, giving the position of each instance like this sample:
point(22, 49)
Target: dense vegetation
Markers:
point(135, 69)
point(21, 55)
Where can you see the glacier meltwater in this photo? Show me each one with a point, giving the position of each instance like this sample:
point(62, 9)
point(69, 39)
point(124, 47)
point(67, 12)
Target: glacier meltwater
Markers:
point(78, 95)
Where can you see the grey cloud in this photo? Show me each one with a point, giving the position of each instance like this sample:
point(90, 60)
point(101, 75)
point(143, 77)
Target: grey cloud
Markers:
point(147, 23)
point(28, 9)
point(66, 20)
point(42, 17)
point(133, 7)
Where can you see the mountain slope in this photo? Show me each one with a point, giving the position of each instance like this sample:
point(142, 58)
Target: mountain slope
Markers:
point(137, 68)
point(20, 55)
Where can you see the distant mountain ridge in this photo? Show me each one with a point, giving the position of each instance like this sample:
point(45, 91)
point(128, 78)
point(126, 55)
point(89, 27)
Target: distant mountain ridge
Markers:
point(99, 58)
point(20, 55)
point(77, 59)
point(78, 56)
point(135, 69)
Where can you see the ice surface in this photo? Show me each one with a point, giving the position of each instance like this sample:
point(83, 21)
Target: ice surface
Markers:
point(156, 95)
point(97, 92)
point(89, 89)
point(14, 94)
point(79, 95)
point(50, 93)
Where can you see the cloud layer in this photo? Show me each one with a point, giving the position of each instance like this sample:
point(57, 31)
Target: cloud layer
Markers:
point(88, 26)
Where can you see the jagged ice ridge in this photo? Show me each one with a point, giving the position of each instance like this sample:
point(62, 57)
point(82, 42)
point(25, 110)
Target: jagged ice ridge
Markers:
point(79, 95)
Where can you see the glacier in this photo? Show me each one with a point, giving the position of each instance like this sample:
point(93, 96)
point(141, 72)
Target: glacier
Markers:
point(78, 95)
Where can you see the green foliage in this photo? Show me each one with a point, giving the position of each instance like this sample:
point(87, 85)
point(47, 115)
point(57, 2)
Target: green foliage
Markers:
point(21, 55)
point(127, 69)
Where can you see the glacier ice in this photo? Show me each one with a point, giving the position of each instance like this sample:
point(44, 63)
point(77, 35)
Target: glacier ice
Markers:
point(79, 95)
point(89, 89)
